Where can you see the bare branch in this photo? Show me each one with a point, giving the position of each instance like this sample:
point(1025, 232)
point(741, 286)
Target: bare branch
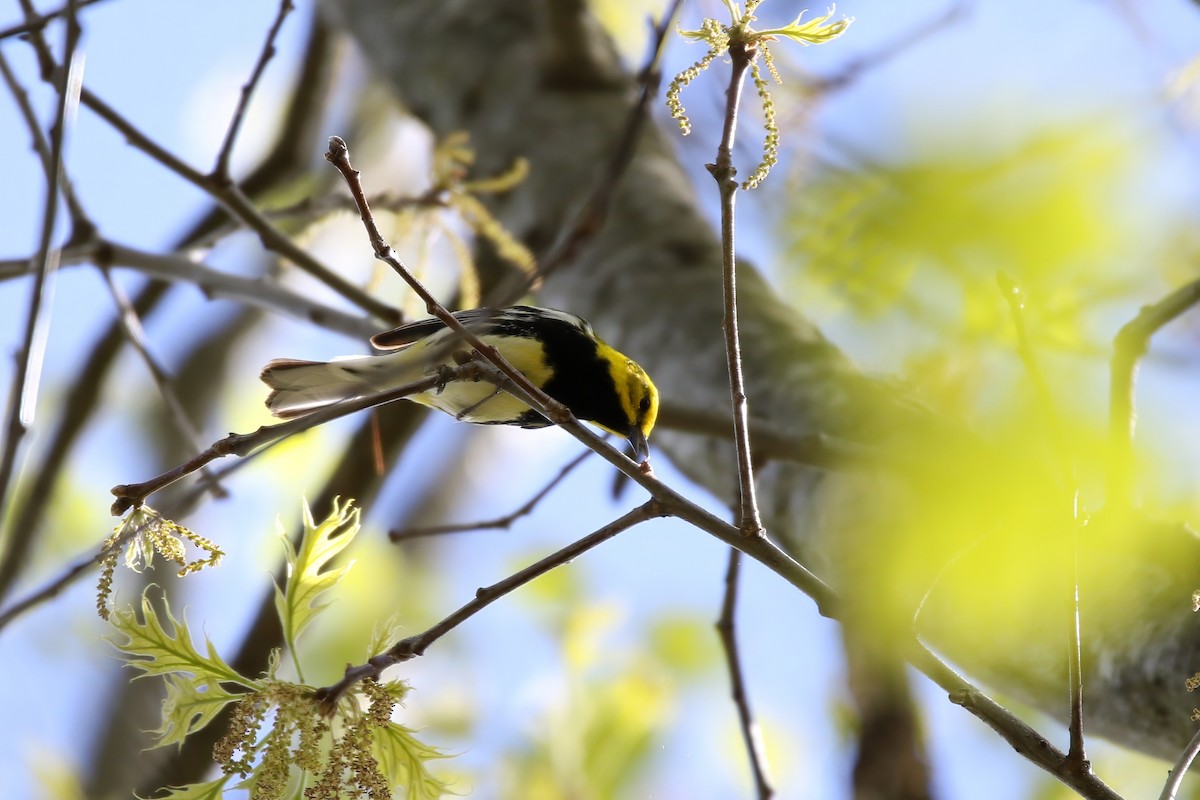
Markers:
point(724, 173)
point(499, 522)
point(52, 588)
point(35, 23)
point(132, 325)
point(221, 170)
point(593, 213)
point(1028, 743)
point(1175, 776)
point(751, 733)
point(1077, 755)
point(519, 385)
point(240, 206)
point(415, 646)
point(81, 224)
point(1129, 346)
point(242, 444)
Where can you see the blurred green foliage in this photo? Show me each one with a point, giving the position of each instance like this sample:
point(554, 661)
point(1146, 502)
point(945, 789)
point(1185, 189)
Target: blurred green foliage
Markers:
point(928, 235)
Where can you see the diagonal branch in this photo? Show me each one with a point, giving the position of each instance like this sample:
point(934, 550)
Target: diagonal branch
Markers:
point(243, 444)
point(35, 22)
point(221, 170)
point(594, 212)
point(132, 326)
point(1182, 765)
point(415, 646)
point(223, 191)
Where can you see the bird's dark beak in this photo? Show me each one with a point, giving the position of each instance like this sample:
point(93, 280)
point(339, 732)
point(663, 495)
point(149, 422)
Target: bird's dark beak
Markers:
point(637, 440)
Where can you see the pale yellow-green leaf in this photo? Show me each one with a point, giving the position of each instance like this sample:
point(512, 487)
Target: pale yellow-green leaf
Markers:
point(159, 649)
point(189, 706)
point(212, 790)
point(403, 761)
point(385, 633)
point(817, 30)
point(297, 602)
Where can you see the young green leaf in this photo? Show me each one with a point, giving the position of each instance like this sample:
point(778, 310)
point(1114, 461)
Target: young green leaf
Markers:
point(297, 601)
point(211, 790)
point(402, 759)
point(155, 650)
point(189, 706)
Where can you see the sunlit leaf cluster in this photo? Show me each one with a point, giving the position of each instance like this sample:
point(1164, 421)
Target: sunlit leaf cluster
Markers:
point(720, 37)
point(281, 742)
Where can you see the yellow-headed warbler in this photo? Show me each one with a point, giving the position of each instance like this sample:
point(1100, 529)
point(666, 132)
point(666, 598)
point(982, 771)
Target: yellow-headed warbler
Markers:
point(556, 351)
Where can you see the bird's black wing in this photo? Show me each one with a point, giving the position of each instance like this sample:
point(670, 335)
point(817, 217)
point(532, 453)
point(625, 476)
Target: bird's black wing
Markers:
point(415, 331)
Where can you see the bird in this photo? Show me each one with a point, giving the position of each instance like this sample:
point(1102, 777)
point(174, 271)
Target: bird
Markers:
point(557, 351)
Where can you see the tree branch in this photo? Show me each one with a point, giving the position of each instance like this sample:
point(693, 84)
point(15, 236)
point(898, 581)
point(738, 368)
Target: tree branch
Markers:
point(751, 733)
point(505, 521)
point(220, 172)
point(415, 646)
point(724, 173)
point(242, 444)
point(1129, 346)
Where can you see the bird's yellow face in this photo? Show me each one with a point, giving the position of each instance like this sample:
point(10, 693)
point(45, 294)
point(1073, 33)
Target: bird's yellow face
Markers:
point(643, 399)
point(639, 400)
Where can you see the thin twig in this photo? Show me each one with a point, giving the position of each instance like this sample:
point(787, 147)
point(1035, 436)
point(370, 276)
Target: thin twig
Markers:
point(726, 629)
point(1077, 754)
point(1182, 765)
point(228, 194)
point(242, 208)
point(35, 23)
point(128, 318)
point(80, 223)
point(52, 588)
point(221, 170)
point(723, 171)
point(23, 397)
point(415, 646)
point(242, 444)
point(1129, 346)
point(288, 156)
point(499, 522)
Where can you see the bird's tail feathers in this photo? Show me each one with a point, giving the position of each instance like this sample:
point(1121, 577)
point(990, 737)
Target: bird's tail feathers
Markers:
point(299, 387)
